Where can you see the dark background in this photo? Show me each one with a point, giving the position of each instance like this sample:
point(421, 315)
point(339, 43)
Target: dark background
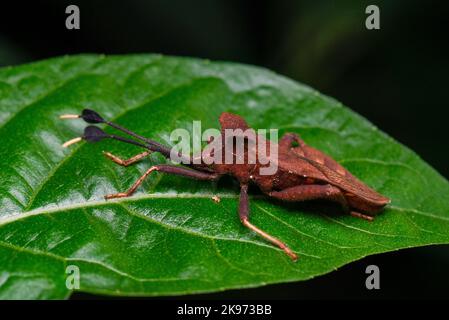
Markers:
point(396, 76)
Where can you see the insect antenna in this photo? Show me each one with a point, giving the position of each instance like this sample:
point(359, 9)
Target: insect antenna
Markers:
point(95, 134)
point(91, 116)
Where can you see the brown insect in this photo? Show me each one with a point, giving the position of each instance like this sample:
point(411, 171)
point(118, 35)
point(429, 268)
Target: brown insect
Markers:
point(303, 173)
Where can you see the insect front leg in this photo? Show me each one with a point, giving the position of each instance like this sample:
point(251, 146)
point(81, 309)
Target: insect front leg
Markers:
point(311, 192)
point(171, 169)
point(126, 162)
point(244, 218)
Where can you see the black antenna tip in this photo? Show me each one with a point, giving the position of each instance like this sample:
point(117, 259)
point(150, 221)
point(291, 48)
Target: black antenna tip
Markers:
point(91, 116)
point(94, 134)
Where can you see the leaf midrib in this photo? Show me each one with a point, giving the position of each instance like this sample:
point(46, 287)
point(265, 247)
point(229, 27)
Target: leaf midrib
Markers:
point(50, 209)
point(120, 203)
point(75, 150)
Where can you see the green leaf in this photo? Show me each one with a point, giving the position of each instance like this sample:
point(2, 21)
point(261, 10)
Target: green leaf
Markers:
point(171, 238)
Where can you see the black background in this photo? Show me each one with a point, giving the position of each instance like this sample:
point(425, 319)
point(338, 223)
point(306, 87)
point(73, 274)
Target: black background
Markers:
point(397, 77)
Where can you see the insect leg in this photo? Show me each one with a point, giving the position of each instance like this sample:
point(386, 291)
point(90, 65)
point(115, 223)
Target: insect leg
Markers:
point(126, 162)
point(361, 215)
point(171, 169)
point(311, 192)
point(244, 218)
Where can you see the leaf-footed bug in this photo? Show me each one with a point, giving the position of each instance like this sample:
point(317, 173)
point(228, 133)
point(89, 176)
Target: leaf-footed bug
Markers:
point(303, 173)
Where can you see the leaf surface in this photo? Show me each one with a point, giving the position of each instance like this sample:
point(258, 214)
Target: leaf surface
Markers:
point(171, 238)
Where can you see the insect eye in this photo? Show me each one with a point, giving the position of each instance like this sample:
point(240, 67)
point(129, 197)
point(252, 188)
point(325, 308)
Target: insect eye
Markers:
point(94, 134)
point(91, 116)
point(294, 144)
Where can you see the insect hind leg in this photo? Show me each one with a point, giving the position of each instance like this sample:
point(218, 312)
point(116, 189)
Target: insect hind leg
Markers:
point(311, 192)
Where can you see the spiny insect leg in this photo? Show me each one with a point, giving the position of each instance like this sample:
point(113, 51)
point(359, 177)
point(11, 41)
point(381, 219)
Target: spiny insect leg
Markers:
point(126, 162)
point(244, 218)
point(171, 169)
point(311, 192)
